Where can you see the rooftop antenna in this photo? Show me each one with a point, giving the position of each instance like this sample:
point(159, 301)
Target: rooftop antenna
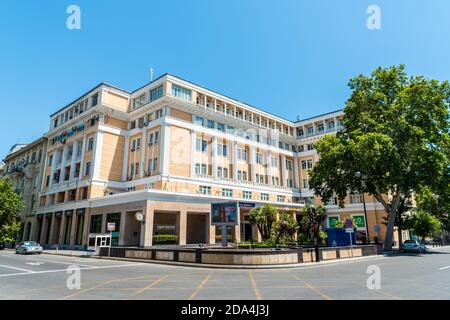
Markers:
point(298, 118)
point(151, 74)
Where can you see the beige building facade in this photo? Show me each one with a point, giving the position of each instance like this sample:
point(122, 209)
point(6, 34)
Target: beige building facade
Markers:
point(168, 151)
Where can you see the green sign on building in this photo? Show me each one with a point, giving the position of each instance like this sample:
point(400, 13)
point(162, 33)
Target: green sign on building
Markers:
point(359, 221)
point(332, 221)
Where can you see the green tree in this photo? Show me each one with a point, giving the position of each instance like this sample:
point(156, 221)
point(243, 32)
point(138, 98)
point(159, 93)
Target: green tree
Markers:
point(396, 133)
point(437, 203)
point(425, 225)
point(311, 223)
point(10, 205)
point(286, 228)
point(264, 218)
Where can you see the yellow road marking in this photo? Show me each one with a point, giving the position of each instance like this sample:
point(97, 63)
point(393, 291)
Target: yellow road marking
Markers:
point(255, 287)
point(200, 286)
point(316, 290)
point(100, 285)
point(150, 285)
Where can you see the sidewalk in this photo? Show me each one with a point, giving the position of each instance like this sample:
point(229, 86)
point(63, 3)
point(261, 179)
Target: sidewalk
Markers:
point(70, 253)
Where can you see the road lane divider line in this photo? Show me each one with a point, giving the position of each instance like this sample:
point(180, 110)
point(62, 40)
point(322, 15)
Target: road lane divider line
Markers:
point(15, 268)
point(65, 270)
point(61, 262)
point(313, 288)
point(200, 286)
point(443, 268)
point(151, 285)
point(254, 286)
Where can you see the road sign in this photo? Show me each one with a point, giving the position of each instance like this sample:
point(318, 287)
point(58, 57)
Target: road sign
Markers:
point(111, 226)
point(349, 230)
point(348, 223)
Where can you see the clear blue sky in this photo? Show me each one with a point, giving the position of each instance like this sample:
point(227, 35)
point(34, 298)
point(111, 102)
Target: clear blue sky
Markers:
point(288, 57)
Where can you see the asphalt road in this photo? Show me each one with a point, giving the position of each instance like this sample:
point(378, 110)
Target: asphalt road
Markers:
point(403, 276)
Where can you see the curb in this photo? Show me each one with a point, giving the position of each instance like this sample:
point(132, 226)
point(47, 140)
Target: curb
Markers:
point(242, 267)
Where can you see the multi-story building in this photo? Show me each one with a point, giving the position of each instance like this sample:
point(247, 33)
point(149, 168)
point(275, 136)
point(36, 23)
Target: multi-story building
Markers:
point(24, 166)
point(168, 150)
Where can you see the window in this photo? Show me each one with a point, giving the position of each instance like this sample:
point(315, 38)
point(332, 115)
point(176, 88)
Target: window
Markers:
point(221, 127)
point(260, 178)
point(242, 175)
point(330, 125)
point(150, 139)
point(155, 164)
point(222, 172)
point(201, 169)
point(274, 162)
point(289, 164)
point(87, 171)
point(222, 150)
point(310, 164)
point(356, 198)
point(96, 224)
point(55, 123)
point(281, 198)
point(149, 167)
point(242, 154)
point(201, 145)
point(156, 93)
point(227, 193)
point(320, 127)
point(84, 193)
point(90, 144)
point(204, 190)
point(94, 100)
point(136, 168)
point(290, 183)
point(275, 181)
point(230, 130)
point(265, 196)
point(158, 114)
point(198, 120)
point(210, 124)
point(181, 92)
point(310, 147)
point(47, 181)
point(305, 184)
point(133, 125)
point(259, 158)
point(50, 160)
point(246, 194)
point(156, 137)
point(310, 130)
point(138, 143)
point(139, 101)
point(304, 164)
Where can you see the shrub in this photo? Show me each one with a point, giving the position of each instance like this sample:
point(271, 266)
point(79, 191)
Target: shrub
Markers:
point(165, 238)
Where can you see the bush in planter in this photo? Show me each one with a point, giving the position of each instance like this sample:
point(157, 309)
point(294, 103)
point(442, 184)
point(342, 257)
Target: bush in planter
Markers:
point(165, 238)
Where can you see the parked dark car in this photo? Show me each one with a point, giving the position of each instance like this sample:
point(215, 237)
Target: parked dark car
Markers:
point(413, 246)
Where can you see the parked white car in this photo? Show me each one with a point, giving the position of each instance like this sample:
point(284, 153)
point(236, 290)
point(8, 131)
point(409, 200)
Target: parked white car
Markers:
point(28, 247)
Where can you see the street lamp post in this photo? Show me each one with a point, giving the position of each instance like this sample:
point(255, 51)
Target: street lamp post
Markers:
point(363, 178)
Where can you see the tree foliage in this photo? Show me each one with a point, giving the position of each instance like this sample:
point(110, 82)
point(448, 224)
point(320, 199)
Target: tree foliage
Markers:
point(264, 218)
point(311, 223)
point(396, 132)
point(425, 225)
point(10, 205)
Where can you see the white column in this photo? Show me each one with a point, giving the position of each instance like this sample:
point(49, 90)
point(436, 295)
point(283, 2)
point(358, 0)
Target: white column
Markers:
point(63, 163)
point(253, 163)
point(74, 158)
point(235, 160)
point(283, 171)
point(214, 157)
point(83, 150)
point(164, 150)
point(269, 167)
point(125, 158)
point(193, 144)
point(44, 171)
point(296, 174)
point(97, 161)
point(143, 148)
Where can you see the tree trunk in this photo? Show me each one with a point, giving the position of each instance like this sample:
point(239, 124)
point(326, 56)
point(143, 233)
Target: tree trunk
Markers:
point(400, 237)
point(389, 230)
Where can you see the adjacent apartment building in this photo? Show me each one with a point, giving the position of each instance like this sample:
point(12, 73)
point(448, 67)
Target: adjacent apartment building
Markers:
point(167, 151)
